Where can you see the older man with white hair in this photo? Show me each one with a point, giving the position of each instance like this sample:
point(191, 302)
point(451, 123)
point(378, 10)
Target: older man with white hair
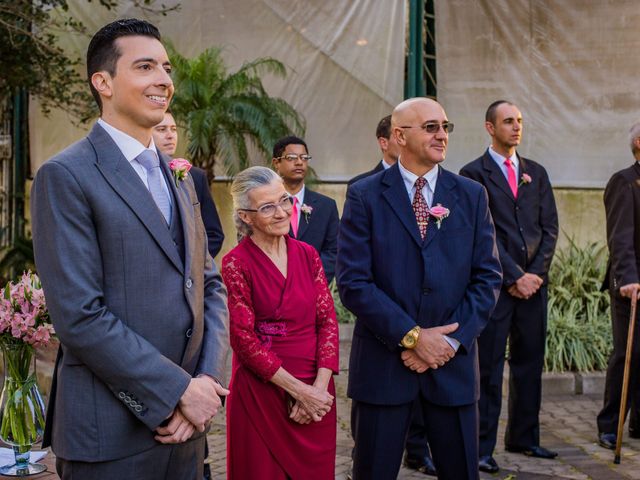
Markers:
point(622, 206)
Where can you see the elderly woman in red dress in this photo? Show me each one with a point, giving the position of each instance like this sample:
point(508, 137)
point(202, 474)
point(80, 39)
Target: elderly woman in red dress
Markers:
point(281, 417)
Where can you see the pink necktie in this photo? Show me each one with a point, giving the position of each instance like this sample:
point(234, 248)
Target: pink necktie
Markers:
point(511, 177)
point(294, 217)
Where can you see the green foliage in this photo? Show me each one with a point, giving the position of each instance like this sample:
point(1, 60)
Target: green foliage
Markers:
point(223, 112)
point(579, 329)
point(343, 315)
point(31, 57)
point(16, 258)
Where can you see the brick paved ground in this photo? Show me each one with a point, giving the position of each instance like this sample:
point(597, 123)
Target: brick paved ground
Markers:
point(568, 426)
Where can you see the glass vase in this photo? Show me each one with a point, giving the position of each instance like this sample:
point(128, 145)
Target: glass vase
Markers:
point(21, 408)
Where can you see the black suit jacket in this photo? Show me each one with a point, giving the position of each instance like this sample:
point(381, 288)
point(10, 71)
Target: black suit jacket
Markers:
point(526, 227)
point(379, 167)
point(320, 229)
point(210, 217)
point(622, 206)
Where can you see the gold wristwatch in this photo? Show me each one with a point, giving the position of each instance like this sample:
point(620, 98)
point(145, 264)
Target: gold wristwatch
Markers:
point(410, 340)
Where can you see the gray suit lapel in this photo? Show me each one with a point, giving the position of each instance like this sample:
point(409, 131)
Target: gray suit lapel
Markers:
point(127, 184)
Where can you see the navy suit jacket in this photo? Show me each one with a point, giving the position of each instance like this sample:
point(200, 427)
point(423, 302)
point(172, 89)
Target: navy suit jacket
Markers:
point(526, 227)
point(392, 281)
point(210, 217)
point(320, 229)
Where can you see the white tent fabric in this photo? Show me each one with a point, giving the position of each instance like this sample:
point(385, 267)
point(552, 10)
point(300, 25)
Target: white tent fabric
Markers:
point(570, 65)
point(346, 62)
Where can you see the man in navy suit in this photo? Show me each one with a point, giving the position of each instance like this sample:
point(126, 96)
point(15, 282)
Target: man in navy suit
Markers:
point(622, 207)
point(524, 211)
point(314, 219)
point(419, 268)
point(165, 136)
point(418, 456)
point(388, 147)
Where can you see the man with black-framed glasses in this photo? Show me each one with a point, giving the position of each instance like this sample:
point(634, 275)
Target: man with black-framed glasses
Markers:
point(314, 219)
point(524, 211)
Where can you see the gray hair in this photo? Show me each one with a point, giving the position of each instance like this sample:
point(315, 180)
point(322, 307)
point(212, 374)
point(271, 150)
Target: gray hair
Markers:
point(634, 132)
point(243, 183)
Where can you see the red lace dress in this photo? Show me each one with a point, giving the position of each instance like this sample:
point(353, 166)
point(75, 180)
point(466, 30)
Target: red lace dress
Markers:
point(277, 321)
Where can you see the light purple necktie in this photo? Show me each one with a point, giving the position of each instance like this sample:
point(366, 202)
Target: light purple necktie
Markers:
point(149, 160)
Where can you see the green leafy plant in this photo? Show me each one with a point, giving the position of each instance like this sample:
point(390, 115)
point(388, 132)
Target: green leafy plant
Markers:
point(343, 315)
point(16, 258)
point(578, 329)
point(224, 112)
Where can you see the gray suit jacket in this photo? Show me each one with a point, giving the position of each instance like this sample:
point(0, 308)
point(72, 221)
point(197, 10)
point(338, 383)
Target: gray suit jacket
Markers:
point(135, 322)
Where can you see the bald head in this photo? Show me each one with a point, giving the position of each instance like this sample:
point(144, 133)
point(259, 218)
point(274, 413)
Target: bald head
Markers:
point(420, 150)
point(408, 112)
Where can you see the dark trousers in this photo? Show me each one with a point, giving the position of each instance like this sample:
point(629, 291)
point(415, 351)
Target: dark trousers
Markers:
point(609, 415)
point(417, 445)
point(162, 462)
point(380, 432)
point(524, 323)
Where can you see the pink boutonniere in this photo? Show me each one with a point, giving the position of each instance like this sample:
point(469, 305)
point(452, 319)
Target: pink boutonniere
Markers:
point(439, 213)
point(180, 167)
point(306, 211)
point(525, 179)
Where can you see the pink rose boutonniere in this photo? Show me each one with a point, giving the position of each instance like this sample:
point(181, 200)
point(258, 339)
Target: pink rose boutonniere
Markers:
point(525, 179)
point(180, 167)
point(306, 211)
point(439, 213)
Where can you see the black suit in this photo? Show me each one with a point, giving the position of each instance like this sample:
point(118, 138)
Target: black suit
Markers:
point(320, 229)
point(622, 206)
point(526, 233)
point(379, 168)
point(210, 217)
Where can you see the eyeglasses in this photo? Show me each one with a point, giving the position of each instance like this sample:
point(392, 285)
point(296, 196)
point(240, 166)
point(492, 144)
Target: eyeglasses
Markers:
point(292, 157)
point(269, 209)
point(447, 127)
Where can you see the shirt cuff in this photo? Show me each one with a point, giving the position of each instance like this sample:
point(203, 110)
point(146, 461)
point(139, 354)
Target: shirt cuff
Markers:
point(455, 344)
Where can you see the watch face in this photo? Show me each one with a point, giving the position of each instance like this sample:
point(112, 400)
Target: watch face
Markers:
point(409, 341)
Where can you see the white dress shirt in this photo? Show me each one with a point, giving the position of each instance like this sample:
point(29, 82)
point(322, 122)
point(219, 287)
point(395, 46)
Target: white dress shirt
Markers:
point(131, 148)
point(499, 159)
point(429, 188)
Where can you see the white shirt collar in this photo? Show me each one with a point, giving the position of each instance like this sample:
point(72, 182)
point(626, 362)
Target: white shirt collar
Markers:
point(300, 195)
point(410, 178)
point(499, 159)
point(129, 146)
point(385, 165)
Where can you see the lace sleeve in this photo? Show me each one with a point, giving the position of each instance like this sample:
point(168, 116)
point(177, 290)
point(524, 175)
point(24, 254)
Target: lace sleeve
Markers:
point(326, 324)
point(244, 341)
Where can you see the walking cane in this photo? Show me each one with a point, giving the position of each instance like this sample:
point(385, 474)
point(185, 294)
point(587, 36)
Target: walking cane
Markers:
point(625, 377)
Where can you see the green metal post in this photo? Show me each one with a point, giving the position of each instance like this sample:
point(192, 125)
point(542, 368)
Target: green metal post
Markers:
point(415, 85)
point(20, 155)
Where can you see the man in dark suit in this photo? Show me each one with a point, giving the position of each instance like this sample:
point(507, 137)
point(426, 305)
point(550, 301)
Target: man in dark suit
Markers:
point(622, 206)
point(165, 136)
point(133, 293)
point(418, 456)
point(388, 147)
point(524, 211)
point(314, 219)
point(418, 266)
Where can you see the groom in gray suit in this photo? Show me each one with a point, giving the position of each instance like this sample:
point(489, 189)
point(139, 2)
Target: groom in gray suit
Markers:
point(134, 296)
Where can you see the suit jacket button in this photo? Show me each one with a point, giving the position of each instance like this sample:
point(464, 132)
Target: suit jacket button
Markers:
point(188, 333)
point(189, 283)
point(426, 291)
point(121, 395)
point(522, 248)
point(127, 399)
point(138, 408)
